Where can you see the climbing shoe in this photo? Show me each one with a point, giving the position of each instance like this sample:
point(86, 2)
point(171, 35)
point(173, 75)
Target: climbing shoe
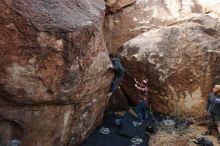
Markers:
point(109, 95)
point(203, 141)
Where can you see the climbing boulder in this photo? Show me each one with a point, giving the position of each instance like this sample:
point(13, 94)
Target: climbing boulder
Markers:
point(53, 75)
point(143, 15)
point(181, 62)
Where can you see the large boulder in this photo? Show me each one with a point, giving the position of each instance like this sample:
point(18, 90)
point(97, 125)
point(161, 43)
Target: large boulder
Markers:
point(53, 75)
point(135, 18)
point(181, 62)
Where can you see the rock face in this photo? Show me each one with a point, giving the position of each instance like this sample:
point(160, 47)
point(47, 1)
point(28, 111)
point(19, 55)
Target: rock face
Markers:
point(52, 57)
point(181, 62)
point(118, 102)
point(116, 5)
point(135, 18)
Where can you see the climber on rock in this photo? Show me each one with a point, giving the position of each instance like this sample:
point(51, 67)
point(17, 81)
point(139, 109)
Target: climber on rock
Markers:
point(119, 72)
point(142, 90)
point(142, 107)
point(213, 111)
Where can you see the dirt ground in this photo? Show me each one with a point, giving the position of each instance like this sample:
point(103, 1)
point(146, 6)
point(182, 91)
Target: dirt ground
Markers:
point(163, 138)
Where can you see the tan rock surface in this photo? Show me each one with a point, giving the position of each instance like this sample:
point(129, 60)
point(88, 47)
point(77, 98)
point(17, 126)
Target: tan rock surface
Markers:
point(116, 5)
point(144, 15)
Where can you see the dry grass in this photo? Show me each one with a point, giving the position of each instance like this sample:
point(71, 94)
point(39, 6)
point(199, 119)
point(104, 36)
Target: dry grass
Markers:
point(171, 136)
point(162, 138)
point(183, 137)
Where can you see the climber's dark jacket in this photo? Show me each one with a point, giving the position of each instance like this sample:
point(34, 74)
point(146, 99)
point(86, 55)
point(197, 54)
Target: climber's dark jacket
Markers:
point(213, 104)
point(119, 70)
